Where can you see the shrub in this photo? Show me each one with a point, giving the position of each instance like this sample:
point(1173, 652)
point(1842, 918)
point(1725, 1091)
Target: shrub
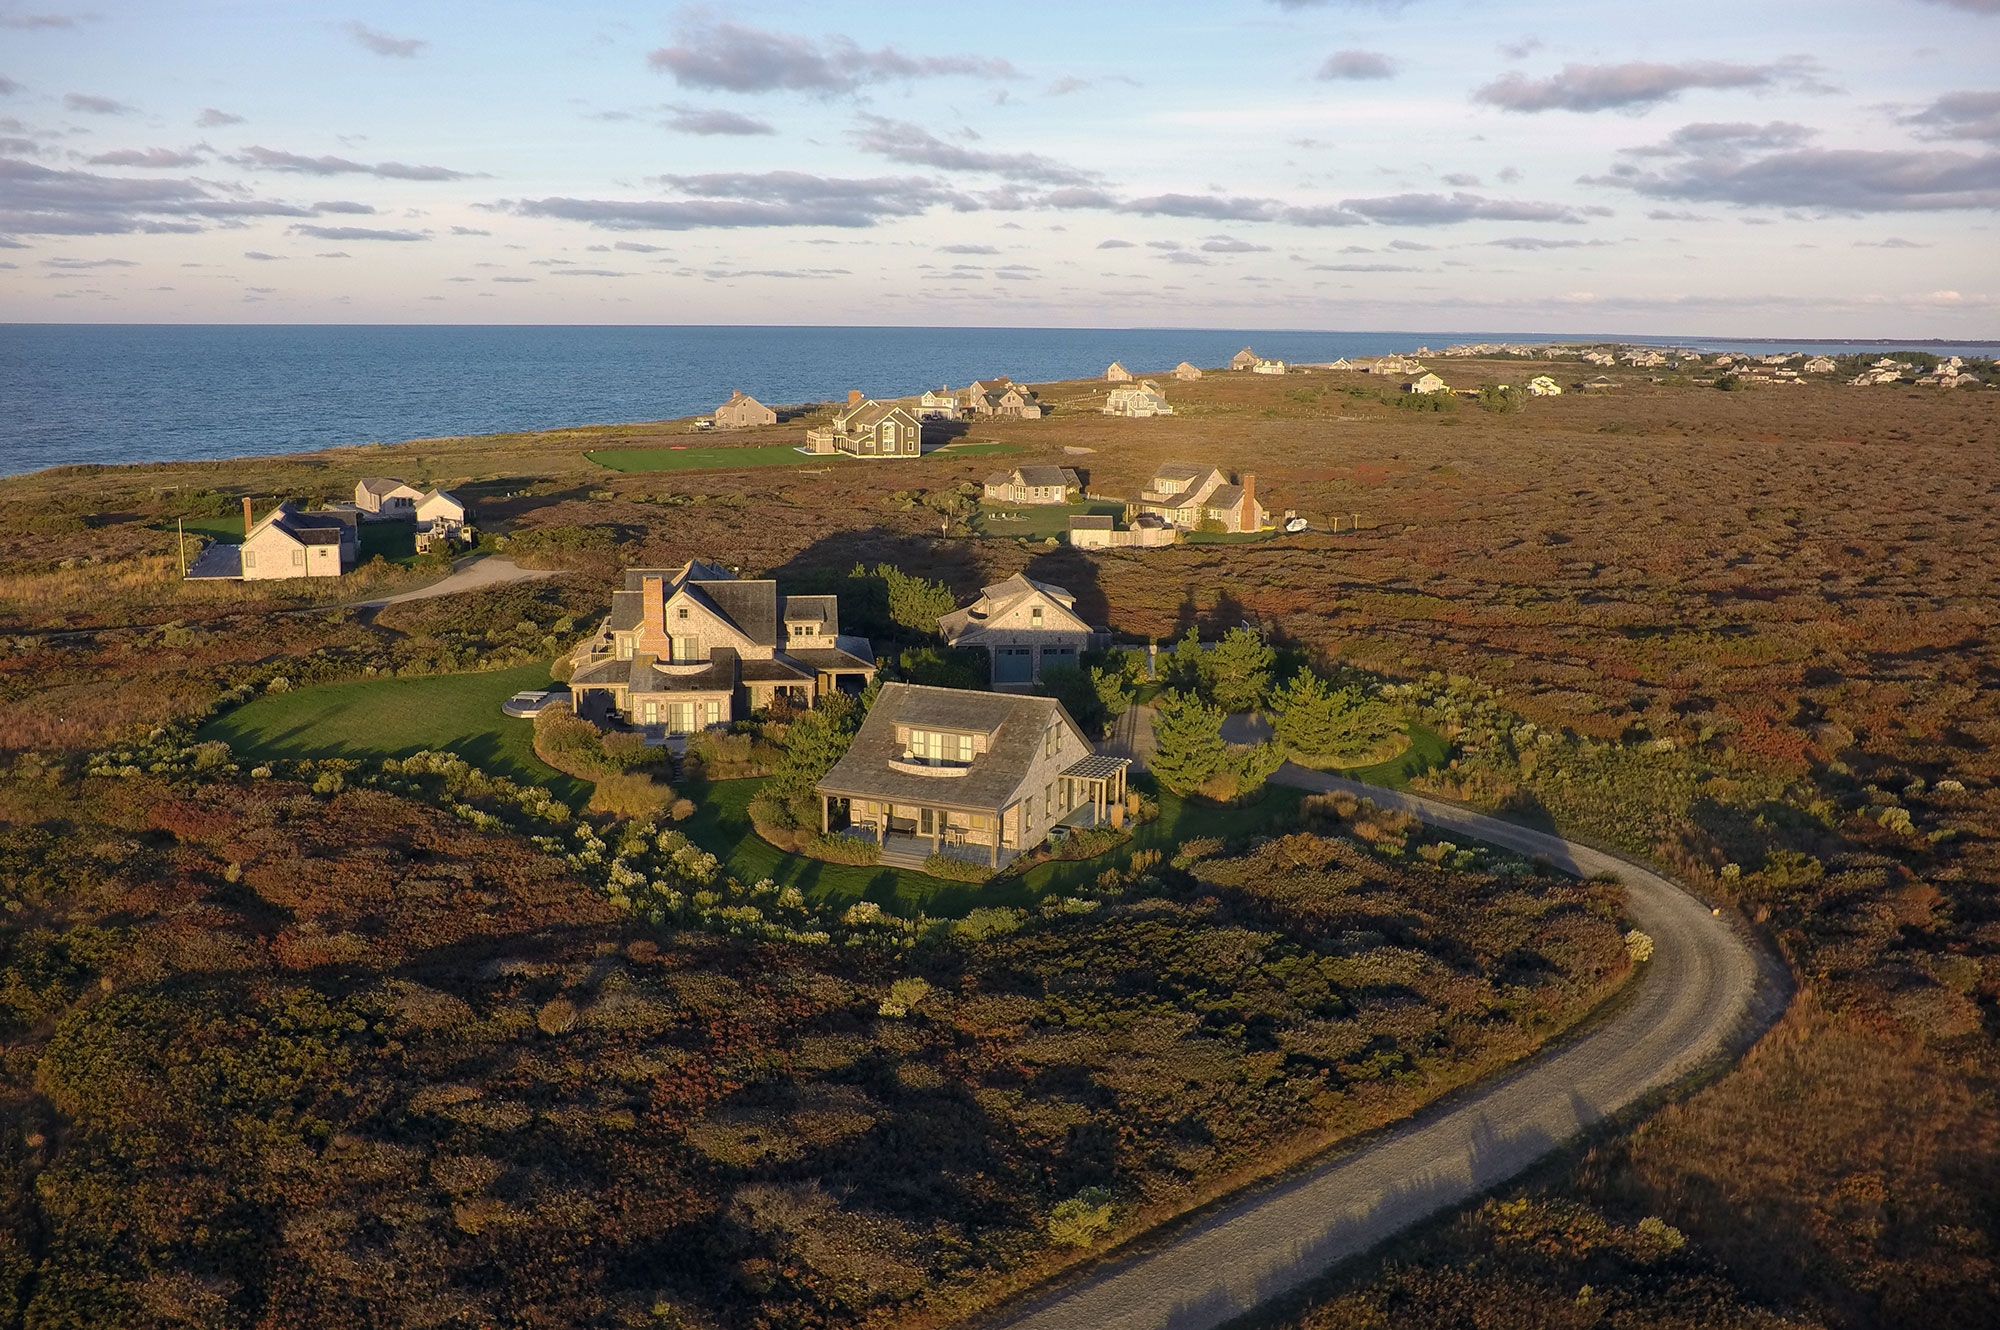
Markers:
point(682, 810)
point(954, 869)
point(903, 997)
point(631, 794)
point(578, 748)
point(1638, 946)
point(1502, 398)
point(1082, 1219)
point(557, 1016)
point(836, 849)
point(1194, 851)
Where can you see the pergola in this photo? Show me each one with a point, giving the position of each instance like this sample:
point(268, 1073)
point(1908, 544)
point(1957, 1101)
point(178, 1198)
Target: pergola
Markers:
point(1104, 778)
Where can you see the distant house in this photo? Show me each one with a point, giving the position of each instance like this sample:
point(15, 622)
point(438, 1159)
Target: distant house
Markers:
point(1268, 367)
point(1820, 365)
point(743, 411)
point(441, 517)
point(1394, 364)
point(1428, 383)
point(1598, 384)
point(1544, 386)
point(1599, 358)
point(386, 496)
point(285, 543)
point(942, 404)
point(1117, 373)
point(980, 776)
point(1103, 533)
point(1137, 400)
point(869, 429)
point(1342, 363)
point(1186, 371)
point(1244, 359)
point(1024, 626)
point(1187, 495)
point(1003, 399)
point(1033, 485)
point(695, 647)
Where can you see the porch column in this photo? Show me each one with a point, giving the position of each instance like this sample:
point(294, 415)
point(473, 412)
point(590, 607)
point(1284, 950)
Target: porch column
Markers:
point(994, 845)
point(937, 830)
point(825, 815)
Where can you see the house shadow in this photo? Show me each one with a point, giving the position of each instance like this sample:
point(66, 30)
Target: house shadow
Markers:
point(1077, 573)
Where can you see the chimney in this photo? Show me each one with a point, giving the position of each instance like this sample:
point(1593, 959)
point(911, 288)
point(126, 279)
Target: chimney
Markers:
point(1249, 502)
point(246, 517)
point(853, 396)
point(653, 610)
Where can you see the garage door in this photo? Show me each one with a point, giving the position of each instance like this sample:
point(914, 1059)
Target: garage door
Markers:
point(1054, 656)
point(1013, 664)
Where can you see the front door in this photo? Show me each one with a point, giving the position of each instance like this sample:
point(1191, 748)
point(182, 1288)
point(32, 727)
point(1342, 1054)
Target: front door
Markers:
point(925, 825)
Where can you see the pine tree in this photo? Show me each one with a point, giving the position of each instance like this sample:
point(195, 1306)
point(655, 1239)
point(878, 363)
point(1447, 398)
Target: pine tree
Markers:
point(1187, 737)
point(1239, 671)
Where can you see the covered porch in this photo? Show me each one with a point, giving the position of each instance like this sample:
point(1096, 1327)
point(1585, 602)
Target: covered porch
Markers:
point(1094, 788)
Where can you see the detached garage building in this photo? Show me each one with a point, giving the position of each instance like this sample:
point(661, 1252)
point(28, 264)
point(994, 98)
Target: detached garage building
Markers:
point(1024, 626)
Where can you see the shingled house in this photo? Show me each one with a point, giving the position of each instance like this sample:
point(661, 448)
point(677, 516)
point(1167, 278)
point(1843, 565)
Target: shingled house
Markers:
point(1033, 484)
point(286, 542)
point(1137, 400)
point(687, 648)
point(1244, 359)
point(1003, 399)
point(979, 776)
point(870, 429)
point(1024, 626)
point(386, 496)
point(742, 411)
point(1186, 494)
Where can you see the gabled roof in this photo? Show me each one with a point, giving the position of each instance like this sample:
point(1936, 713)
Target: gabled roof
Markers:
point(868, 414)
point(751, 606)
point(814, 609)
point(1181, 471)
point(1002, 597)
point(1013, 724)
point(1039, 476)
point(381, 485)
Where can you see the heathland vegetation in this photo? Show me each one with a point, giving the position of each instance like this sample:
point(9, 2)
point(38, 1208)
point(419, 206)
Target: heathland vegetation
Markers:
point(381, 1018)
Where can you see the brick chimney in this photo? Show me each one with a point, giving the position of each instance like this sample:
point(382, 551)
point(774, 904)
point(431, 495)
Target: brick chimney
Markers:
point(246, 517)
point(1249, 519)
point(653, 609)
point(853, 396)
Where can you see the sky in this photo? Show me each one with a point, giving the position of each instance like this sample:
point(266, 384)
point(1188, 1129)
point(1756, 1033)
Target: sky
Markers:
point(1822, 170)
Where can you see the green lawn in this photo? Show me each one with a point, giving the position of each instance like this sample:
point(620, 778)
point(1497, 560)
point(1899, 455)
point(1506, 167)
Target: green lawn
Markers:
point(395, 717)
point(1038, 521)
point(980, 449)
point(394, 541)
point(1428, 750)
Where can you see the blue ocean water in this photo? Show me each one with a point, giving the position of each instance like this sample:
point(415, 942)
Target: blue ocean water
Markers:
point(99, 393)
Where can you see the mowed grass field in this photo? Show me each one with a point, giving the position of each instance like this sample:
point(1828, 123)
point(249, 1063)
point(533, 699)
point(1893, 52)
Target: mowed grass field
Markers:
point(379, 718)
point(1037, 521)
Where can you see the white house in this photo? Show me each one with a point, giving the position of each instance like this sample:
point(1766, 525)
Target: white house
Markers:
point(386, 496)
point(1268, 367)
point(1117, 373)
point(1429, 383)
point(1544, 386)
point(1137, 400)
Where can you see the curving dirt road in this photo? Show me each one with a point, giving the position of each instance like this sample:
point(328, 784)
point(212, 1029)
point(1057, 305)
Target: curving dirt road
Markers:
point(473, 574)
point(1705, 993)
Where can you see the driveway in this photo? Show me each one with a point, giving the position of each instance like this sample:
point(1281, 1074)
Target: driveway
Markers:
point(1705, 995)
point(473, 574)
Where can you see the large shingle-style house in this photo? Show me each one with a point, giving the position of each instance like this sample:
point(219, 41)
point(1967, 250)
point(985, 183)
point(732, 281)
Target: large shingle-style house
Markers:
point(980, 776)
point(940, 404)
point(1186, 494)
point(441, 516)
point(868, 428)
point(687, 648)
point(1244, 359)
point(1003, 399)
point(1137, 400)
point(1033, 484)
point(1117, 373)
point(1184, 371)
point(1024, 626)
point(387, 496)
point(742, 411)
point(1820, 365)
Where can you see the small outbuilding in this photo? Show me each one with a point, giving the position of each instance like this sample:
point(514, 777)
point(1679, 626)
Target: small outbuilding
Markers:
point(742, 411)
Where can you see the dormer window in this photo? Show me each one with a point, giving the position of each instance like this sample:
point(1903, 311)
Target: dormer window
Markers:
point(938, 749)
point(624, 646)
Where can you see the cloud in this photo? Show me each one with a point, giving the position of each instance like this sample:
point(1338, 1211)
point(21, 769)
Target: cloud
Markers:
point(1971, 6)
point(634, 247)
point(1444, 210)
point(1848, 180)
point(730, 57)
point(1893, 242)
point(1361, 267)
point(262, 257)
point(1357, 65)
point(151, 158)
point(30, 22)
point(1960, 115)
point(588, 272)
point(1460, 180)
point(346, 207)
point(92, 104)
point(741, 199)
point(469, 231)
point(88, 263)
point(8, 87)
point(512, 280)
point(1541, 242)
point(967, 249)
point(1522, 49)
point(1619, 87)
point(1232, 245)
point(356, 233)
point(1182, 256)
point(210, 118)
point(1212, 207)
point(914, 145)
point(1409, 247)
point(1733, 136)
point(333, 254)
point(1669, 215)
point(1066, 85)
point(36, 200)
point(711, 121)
point(270, 159)
point(1115, 244)
point(381, 43)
